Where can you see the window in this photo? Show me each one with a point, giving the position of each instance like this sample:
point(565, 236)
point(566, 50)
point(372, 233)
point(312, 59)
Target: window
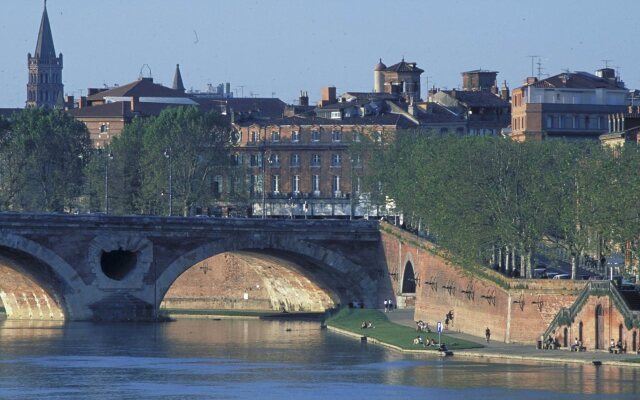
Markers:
point(356, 184)
point(275, 183)
point(315, 160)
point(336, 136)
point(256, 184)
point(549, 121)
point(274, 160)
point(315, 136)
point(295, 184)
point(255, 160)
point(356, 136)
point(295, 160)
point(356, 160)
point(275, 136)
point(236, 159)
point(336, 115)
point(295, 136)
point(104, 127)
point(576, 122)
point(442, 130)
point(336, 160)
point(335, 185)
point(254, 137)
point(315, 184)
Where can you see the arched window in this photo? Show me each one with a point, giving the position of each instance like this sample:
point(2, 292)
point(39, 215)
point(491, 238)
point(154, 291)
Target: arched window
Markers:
point(408, 279)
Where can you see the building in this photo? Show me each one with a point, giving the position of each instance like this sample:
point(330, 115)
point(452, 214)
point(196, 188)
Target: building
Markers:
point(402, 78)
point(623, 128)
point(107, 111)
point(571, 105)
point(485, 111)
point(45, 88)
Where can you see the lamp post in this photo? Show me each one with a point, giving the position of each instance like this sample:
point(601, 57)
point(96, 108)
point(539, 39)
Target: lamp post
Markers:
point(264, 176)
point(167, 154)
point(108, 157)
point(351, 194)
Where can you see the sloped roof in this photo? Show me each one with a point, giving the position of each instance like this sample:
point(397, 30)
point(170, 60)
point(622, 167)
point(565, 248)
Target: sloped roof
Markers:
point(383, 119)
point(576, 80)
point(477, 98)
point(403, 66)
point(45, 47)
point(121, 109)
point(266, 107)
point(141, 88)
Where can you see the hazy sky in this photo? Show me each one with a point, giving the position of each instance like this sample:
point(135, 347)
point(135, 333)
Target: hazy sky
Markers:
point(284, 46)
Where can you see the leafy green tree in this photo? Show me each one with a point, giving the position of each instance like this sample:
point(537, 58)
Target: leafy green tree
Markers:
point(42, 155)
point(190, 146)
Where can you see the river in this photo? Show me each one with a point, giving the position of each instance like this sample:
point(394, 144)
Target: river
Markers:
point(251, 359)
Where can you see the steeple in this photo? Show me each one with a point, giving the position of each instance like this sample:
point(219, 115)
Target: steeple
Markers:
point(45, 47)
point(45, 88)
point(177, 80)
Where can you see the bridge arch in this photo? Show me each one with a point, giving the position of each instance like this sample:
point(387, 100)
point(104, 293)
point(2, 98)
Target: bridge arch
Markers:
point(41, 280)
point(343, 280)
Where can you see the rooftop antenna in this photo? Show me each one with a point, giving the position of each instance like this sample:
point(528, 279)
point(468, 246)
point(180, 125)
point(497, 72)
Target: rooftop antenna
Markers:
point(273, 94)
point(241, 90)
point(141, 74)
point(606, 63)
point(533, 59)
point(539, 64)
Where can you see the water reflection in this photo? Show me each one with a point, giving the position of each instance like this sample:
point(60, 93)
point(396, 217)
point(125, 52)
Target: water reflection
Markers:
point(260, 359)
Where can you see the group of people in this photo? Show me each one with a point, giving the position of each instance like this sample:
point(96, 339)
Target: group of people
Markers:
point(551, 343)
point(388, 305)
point(448, 318)
point(577, 345)
point(420, 341)
point(422, 326)
point(617, 347)
point(367, 324)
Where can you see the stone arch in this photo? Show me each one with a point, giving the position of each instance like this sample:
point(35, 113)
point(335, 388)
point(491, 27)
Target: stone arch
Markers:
point(408, 278)
point(599, 327)
point(62, 272)
point(364, 288)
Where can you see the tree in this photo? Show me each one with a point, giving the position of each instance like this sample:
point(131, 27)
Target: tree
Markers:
point(189, 146)
point(42, 155)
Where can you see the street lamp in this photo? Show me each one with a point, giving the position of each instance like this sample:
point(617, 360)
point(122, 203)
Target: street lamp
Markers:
point(108, 157)
point(167, 154)
point(264, 176)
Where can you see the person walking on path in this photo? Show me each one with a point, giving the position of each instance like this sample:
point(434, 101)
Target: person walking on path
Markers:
point(487, 334)
point(386, 305)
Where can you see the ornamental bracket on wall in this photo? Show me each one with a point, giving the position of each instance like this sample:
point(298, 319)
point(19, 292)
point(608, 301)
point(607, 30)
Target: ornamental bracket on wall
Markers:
point(433, 283)
point(490, 297)
point(539, 303)
point(450, 288)
point(520, 301)
point(469, 292)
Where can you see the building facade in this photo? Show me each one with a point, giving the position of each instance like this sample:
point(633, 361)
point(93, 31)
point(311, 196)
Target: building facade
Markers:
point(44, 87)
point(571, 105)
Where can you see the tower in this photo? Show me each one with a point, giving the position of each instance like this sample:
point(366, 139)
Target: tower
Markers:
point(45, 88)
point(177, 80)
point(378, 77)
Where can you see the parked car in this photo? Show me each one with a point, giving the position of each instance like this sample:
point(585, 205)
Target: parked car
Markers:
point(540, 273)
point(550, 274)
point(562, 276)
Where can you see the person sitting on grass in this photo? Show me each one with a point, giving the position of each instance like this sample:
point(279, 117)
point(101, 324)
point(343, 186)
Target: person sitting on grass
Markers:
point(370, 325)
point(418, 340)
point(364, 325)
point(443, 347)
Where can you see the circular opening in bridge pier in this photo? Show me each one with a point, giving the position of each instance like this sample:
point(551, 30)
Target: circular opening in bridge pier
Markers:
point(117, 264)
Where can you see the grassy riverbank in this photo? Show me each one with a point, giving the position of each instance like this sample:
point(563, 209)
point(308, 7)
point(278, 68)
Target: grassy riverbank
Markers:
point(390, 333)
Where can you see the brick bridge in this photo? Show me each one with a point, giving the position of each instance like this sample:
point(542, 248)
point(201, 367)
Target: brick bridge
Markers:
point(120, 267)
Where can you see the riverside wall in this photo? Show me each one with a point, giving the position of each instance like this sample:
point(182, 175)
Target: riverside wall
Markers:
point(515, 310)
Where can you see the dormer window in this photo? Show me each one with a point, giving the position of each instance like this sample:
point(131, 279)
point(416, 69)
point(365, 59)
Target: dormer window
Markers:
point(104, 127)
point(336, 115)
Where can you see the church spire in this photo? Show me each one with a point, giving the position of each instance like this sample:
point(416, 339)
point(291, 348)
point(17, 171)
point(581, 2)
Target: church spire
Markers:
point(177, 80)
point(45, 47)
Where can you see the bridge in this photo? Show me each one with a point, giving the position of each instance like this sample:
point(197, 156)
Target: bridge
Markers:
point(102, 267)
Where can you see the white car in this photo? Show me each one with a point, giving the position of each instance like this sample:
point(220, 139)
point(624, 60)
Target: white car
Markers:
point(562, 276)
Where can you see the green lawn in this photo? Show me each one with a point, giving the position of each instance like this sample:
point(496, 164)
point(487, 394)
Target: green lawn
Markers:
point(388, 332)
point(633, 360)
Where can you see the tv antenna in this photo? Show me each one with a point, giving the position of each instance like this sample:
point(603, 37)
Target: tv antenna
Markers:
point(606, 63)
point(540, 69)
point(533, 60)
point(142, 69)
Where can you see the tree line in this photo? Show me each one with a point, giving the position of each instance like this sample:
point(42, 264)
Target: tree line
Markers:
point(47, 164)
point(480, 195)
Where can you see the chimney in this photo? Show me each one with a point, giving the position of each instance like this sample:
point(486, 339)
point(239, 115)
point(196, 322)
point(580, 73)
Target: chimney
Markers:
point(304, 99)
point(134, 103)
point(328, 96)
point(531, 80)
point(83, 102)
point(504, 92)
point(68, 103)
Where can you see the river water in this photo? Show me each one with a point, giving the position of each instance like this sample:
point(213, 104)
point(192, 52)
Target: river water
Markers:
point(251, 359)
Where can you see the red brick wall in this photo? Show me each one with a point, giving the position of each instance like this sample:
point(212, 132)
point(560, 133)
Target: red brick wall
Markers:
point(518, 311)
